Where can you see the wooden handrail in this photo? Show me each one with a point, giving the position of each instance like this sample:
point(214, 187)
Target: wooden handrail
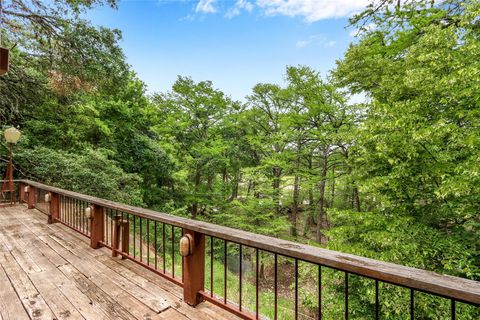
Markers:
point(456, 288)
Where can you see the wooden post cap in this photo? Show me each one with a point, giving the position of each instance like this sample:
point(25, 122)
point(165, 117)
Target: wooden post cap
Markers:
point(186, 245)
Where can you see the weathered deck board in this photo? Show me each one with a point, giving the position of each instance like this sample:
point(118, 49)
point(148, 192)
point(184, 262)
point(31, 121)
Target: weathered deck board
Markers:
point(10, 306)
point(50, 272)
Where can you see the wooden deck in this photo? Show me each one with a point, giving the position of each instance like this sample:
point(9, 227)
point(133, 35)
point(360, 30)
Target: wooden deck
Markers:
point(50, 272)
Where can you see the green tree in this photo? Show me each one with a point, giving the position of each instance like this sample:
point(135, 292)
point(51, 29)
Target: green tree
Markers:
point(192, 114)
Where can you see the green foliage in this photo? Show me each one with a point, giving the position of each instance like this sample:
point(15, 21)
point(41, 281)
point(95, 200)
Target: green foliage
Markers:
point(401, 239)
point(419, 141)
point(395, 178)
point(89, 173)
point(245, 215)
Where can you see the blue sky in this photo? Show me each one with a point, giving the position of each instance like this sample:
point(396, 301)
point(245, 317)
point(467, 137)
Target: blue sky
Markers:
point(234, 43)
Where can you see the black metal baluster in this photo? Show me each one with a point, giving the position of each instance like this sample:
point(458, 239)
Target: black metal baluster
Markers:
point(72, 207)
point(123, 231)
point(173, 251)
point(275, 286)
point(240, 278)
point(346, 295)
point(156, 245)
point(319, 292)
point(225, 271)
point(256, 282)
point(141, 240)
point(82, 216)
point(82, 213)
point(453, 310)
point(183, 265)
point(134, 236)
point(75, 208)
point(68, 210)
point(296, 289)
point(211, 266)
point(77, 218)
point(412, 304)
point(111, 226)
point(74, 216)
point(377, 305)
point(163, 245)
point(148, 242)
point(129, 238)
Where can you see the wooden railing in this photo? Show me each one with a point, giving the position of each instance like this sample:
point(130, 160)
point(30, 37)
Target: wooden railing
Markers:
point(151, 238)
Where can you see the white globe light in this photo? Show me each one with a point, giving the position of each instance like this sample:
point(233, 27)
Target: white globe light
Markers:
point(12, 135)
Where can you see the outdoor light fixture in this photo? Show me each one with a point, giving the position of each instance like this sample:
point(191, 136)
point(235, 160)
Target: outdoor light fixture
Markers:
point(186, 245)
point(12, 135)
point(88, 212)
point(26, 189)
point(48, 197)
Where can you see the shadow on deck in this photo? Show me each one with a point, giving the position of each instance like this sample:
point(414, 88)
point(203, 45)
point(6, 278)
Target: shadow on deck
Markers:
point(50, 272)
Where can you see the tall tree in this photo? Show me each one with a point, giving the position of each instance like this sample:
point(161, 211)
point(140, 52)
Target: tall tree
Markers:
point(325, 113)
point(192, 116)
point(55, 51)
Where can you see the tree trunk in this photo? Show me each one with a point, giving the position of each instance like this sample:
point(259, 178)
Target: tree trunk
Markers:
point(194, 207)
point(224, 176)
point(356, 198)
point(209, 181)
point(296, 190)
point(236, 181)
point(332, 200)
point(311, 204)
point(296, 193)
point(277, 173)
point(321, 199)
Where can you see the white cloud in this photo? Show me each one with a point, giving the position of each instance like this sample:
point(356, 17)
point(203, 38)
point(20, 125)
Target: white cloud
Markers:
point(316, 39)
point(206, 6)
point(312, 10)
point(238, 7)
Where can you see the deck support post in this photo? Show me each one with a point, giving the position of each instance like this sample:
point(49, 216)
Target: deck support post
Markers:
point(120, 233)
point(54, 207)
point(96, 226)
point(194, 269)
point(21, 193)
point(125, 225)
point(31, 197)
point(116, 236)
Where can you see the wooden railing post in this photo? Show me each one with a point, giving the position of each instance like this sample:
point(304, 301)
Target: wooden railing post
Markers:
point(97, 224)
point(125, 237)
point(21, 192)
point(116, 236)
point(120, 231)
point(54, 207)
point(31, 197)
point(194, 269)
